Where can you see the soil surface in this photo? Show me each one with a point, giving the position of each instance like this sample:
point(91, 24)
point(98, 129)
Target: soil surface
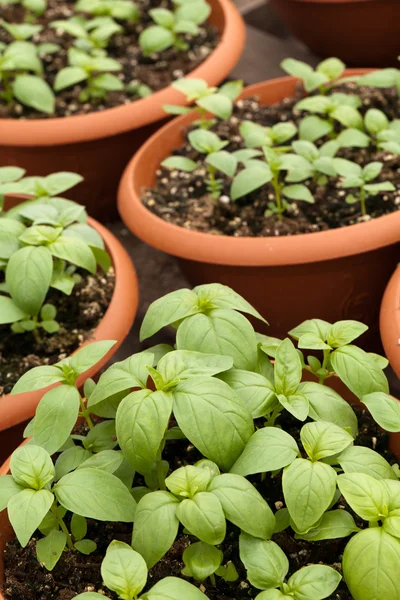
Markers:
point(74, 574)
point(156, 71)
point(182, 198)
point(78, 316)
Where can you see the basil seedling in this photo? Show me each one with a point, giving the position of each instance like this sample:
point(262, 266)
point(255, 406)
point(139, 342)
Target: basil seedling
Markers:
point(34, 8)
point(322, 78)
point(89, 34)
point(123, 10)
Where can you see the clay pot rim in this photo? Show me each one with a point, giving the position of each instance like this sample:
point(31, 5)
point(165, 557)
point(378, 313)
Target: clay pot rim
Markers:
point(243, 251)
point(332, 2)
point(389, 321)
point(115, 324)
point(112, 121)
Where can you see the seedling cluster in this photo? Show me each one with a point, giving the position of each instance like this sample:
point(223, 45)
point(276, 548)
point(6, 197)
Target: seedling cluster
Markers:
point(292, 159)
point(43, 244)
point(223, 389)
point(92, 29)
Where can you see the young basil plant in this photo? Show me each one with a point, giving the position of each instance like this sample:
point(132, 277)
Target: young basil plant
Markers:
point(203, 560)
point(21, 32)
point(267, 568)
point(173, 27)
point(125, 572)
point(123, 10)
point(89, 34)
point(322, 78)
point(383, 78)
point(336, 107)
point(34, 8)
point(18, 61)
point(85, 68)
point(201, 500)
point(360, 178)
point(217, 101)
point(385, 134)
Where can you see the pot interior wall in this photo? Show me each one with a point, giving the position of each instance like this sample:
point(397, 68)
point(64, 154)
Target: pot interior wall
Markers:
point(346, 288)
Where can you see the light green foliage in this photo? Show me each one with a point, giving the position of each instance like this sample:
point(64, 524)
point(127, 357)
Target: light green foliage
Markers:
point(123, 10)
point(42, 243)
point(172, 27)
point(89, 34)
point(321, 78)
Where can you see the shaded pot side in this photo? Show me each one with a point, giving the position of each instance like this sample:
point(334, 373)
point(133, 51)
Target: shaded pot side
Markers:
point(357, 31)
point(390, 320)
point(115, 325)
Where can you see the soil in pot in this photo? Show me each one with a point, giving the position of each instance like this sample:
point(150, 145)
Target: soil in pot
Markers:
point(74, 573)
point(78, 316)
point(181, 198)
point(155, 71)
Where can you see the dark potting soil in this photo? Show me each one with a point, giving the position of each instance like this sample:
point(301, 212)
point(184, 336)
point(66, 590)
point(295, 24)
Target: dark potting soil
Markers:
point(182, 198)
point(75, 573)
point(157, 71)
point(78, 315)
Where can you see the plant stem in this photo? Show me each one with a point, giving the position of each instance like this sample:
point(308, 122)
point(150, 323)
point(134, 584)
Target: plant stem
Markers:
point(212, 182)
point(275, 413)
point(212, 579)
point(85, 413)
point(278, 198)
point(160, 474)
point(63, 526)
point(362, 201)
point(324, 365)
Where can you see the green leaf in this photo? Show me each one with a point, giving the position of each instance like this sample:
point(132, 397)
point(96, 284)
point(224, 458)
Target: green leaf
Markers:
point(101, 437)
point(31, 466)
point(366, 495)
point(357, 459)
point(26, 510)
point(308, 488)
point(28, 277)
point(375, 121)
point(8, 489)
point(107, 460)
point(166, 310)
point(88, 356)
point(231, 89)
point(392, 525)
point(268, 449)
point(358, 371)
point(288, 369)
point(86, 546)
point(50, 549)
point(74, 251)
point(95, 494)
point(78, 527)
point(141, 422)
point(243, 505)
point(223, 161)
point(155, 39)
point(123, 570)
point(201, 560)
point(205, 141)
point(296, 404)
point(170, 588)
point(222, 296)
point(353, 138)
point(156, 526)
point(68, 77)
point(200, 401)
point(332, 68)
point(382, 78)
point(69, 460)
point(256, 392)
point(266, 564)
point(203, 517)
point(34, 92)
point(188, 481)
point(369, 565)
point(372, 170)
point(342, 333)
point(217, 104)
point(316, 327)
point(315, 581)
point(9, 311)
point(322, 439)
point(179, 162)
point(298, 192)
point(220, 331)
point(56, 416)
point(248, 180)
point(183, 364)
point(313, 128)
point(310, 341)
point(384, 409)
point(348, 116)
point(326, 405)
point(335, 524)
point(297, 68)
point(163, 17)
point(9, 174)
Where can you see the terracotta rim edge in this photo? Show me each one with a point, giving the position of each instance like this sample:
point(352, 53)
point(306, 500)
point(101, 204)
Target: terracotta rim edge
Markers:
point(112, 121)
point(243, 251)
point(124, 302)
point(390, 321)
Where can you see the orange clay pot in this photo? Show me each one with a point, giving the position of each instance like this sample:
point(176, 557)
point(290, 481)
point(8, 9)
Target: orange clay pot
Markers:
point(360, 32)
point(15, 410)
point(7, 534)
point(99, 145)
point(390, 321)
point(332, 275)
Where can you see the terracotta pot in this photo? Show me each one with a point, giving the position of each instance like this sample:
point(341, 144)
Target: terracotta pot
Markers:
point(390, 321)
point(337, 274)
point(115, 325)
point(6, 532)
point(99, 145)
point(360, 32)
